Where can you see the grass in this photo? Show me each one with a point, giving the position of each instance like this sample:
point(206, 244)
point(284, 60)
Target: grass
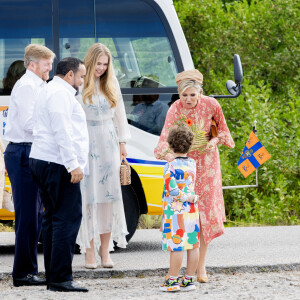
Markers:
point(149, 222)
point(154, 222)
point(230, 223)
point(7, 226)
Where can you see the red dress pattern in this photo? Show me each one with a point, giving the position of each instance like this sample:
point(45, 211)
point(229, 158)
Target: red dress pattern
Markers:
point(208, 185)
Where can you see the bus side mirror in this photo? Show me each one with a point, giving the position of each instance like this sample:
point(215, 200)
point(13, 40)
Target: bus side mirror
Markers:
point(234, 88)
point(238, 70)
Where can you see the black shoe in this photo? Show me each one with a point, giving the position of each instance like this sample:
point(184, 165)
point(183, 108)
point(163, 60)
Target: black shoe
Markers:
point(67, 286)
point(29, 280)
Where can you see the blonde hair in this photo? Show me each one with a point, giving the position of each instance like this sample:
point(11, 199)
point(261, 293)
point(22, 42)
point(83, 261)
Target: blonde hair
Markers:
point(185, 84)
point(35, 52)
point(107, 81)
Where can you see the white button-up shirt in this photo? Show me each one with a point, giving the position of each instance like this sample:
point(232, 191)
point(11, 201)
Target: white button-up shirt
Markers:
point(23, 97)
point(60, 130)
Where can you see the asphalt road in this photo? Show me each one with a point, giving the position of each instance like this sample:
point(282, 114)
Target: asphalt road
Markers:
point(283, 285)
point(240, 249)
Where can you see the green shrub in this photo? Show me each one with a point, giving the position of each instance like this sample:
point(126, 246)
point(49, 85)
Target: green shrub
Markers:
point(266, 36)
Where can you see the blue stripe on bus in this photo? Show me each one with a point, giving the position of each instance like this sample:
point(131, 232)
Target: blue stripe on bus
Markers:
point(148, 162)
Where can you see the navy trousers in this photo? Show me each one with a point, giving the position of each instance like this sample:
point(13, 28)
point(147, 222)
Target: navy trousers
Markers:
point(28, 209)
point(61, 219)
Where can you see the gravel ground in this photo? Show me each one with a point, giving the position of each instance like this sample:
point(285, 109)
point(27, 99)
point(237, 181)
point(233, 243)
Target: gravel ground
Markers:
point(271, 285)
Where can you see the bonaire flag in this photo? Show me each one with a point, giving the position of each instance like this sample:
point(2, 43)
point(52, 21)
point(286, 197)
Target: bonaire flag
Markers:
point(253, 156)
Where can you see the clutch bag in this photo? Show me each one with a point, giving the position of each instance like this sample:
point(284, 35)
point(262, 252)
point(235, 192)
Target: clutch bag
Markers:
point(125, 172)
point(213, 129)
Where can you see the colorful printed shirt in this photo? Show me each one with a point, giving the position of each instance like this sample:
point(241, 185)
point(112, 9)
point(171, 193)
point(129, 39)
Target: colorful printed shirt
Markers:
point(180, 229)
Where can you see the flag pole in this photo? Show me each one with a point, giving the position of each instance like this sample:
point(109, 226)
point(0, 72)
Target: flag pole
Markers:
point(256, 171)
point(229, 187)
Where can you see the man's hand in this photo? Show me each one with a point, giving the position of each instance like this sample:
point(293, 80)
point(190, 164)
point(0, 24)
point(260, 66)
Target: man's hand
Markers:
point(77, 175)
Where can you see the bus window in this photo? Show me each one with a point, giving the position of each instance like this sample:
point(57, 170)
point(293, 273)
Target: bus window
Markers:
point(20, 26)
point(142, 46)
point(76, 28)
point(109, 42)
point(155, 60)
point(133, 32)
point(148, 112)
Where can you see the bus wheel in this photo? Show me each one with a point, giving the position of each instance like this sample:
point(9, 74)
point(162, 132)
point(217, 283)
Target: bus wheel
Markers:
point(131, 208)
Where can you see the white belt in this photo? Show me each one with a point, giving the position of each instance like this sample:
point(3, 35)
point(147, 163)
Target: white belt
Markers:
point(96, 123)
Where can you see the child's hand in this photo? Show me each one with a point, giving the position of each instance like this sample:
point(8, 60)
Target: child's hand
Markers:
point(191, 198)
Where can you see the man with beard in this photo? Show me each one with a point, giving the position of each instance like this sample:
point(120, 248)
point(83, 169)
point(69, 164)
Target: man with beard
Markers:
point(58, 157)
point(38, 61)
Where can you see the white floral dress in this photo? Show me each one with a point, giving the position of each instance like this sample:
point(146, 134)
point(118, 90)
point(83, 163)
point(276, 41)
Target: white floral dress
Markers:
point(102, 203)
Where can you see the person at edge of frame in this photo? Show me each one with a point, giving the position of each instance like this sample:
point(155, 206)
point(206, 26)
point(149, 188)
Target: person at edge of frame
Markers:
point(38, 61)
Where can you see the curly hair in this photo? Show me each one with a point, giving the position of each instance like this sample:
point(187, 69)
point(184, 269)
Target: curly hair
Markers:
point(180, 139)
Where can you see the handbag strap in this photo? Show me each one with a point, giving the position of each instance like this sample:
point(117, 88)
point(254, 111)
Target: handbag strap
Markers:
point(124, 161)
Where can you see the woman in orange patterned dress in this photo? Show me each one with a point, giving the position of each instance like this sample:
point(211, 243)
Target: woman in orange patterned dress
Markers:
point(200, 109)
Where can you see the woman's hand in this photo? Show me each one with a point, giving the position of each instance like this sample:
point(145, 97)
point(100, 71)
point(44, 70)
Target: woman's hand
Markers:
point(209, 148)
point(123, 151)
point(211, 145)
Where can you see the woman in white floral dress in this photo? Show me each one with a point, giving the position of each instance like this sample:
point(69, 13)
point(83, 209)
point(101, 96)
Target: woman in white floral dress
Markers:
point(102, 209)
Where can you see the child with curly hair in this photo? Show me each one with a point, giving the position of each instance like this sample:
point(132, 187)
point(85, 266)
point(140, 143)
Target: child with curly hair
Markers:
point(180, 227)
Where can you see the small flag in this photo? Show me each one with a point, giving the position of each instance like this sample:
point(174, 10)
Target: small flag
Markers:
point(253, 156)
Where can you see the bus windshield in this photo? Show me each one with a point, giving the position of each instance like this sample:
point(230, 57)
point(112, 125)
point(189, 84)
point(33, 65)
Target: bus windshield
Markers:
point(134, 33)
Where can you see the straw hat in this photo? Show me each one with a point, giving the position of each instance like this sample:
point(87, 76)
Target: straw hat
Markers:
point(189, 75)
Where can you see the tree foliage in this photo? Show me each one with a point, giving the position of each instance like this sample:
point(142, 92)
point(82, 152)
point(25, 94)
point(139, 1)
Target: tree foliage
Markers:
point(266, 36)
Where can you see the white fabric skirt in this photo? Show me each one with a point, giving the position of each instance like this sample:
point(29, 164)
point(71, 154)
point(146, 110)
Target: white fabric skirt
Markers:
point(102, 203)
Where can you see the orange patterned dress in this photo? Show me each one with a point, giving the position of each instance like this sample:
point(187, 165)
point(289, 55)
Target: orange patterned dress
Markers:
point(208, 185)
